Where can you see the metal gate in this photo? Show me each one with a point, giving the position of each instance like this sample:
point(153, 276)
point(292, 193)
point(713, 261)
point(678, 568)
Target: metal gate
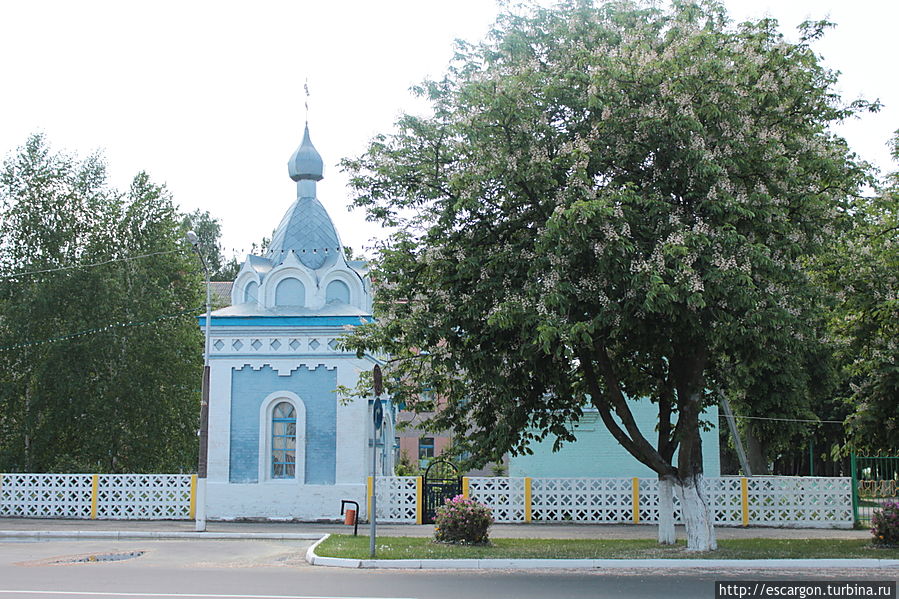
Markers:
point(875, 481)
point(441, 482)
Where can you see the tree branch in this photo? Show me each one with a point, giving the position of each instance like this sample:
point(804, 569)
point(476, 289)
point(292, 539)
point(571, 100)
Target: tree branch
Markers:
point(632, 440)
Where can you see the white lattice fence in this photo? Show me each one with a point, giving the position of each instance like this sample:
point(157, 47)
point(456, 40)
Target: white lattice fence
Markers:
point(45, 495)
point(725, 496)
point(582, 499)
point(770, 501)
point(649, 501)
point(805, 501)
point(397, 498)
point(103, 496)
point(143, 496)
point(504, 495)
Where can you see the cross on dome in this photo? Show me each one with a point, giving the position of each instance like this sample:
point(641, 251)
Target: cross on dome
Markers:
point(307, 230)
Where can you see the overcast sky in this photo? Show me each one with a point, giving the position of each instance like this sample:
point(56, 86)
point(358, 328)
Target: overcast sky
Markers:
point(208, 96)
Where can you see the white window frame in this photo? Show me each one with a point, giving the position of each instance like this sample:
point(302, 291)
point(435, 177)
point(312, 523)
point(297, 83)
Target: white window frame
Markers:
point(266, 411)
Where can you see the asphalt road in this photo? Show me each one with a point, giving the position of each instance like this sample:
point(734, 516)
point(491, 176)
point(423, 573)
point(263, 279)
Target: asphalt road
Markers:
point(245, 569)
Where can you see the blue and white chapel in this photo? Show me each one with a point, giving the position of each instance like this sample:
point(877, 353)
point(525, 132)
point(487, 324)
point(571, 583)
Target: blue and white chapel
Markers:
point(282, 444)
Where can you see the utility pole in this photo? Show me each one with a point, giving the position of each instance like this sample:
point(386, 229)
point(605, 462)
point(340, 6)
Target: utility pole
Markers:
point(738, 444)
point(200, 515)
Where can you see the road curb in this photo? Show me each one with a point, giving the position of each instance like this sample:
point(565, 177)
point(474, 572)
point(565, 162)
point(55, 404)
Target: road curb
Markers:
point(591, 564)
point(138, 534)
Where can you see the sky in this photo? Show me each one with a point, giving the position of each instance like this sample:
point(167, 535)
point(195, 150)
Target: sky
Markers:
point(207, 97)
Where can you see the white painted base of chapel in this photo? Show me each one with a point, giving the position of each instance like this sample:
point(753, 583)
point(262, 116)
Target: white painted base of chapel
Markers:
point(280, 501)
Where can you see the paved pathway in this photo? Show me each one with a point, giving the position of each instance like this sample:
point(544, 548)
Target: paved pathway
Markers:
point(538, 531)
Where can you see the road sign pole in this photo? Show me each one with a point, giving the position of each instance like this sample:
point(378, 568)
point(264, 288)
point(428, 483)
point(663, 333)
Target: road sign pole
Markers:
point(374, 486)
point(377, 416)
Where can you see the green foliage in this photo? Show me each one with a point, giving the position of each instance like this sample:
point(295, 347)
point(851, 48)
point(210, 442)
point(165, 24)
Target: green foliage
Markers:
point(406, 467)
point(124, 399)
point(862, 272)
point(795, 385)
point(463, 520)
point(885, 525)
point(209, 231)
point(607, 202)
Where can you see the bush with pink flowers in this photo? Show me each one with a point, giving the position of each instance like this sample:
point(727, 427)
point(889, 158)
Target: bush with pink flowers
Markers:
point(885, 524)
point(464, 521)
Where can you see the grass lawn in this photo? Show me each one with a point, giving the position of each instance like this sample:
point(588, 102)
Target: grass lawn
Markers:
point(424, 548)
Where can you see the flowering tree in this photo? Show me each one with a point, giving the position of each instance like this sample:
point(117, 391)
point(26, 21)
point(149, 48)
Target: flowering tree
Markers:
point(607, 203)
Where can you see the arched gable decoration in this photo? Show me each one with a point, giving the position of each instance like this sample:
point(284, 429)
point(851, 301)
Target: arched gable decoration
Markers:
point(343, 284)
point(290, 292)
point(337, 291)
point(244, 283)
point(251, 292)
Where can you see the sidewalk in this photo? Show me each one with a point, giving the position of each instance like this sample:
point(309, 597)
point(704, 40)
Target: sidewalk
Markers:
point(19, 527)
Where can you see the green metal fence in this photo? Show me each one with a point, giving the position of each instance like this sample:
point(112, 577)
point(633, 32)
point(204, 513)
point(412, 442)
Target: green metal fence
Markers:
point(875, 481)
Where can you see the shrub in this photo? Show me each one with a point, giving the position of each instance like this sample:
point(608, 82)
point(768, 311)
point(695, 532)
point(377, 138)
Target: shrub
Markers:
point(462, 520)
point(885, 524)
point(405, 467)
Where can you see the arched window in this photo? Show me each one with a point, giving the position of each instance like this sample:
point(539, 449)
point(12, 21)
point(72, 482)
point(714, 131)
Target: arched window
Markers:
point(284, 441)
point(290, 292)
point(337, 291)
point(251, 292)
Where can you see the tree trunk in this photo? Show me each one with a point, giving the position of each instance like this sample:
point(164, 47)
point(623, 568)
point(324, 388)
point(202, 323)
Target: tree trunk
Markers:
point(667, 534)
point(755, 453)
point(697, 516)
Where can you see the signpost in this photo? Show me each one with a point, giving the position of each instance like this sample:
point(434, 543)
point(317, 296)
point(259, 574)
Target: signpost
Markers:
point(377, 412)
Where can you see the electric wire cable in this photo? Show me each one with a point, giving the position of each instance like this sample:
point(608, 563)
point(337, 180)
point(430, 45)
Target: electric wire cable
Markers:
point(91, 265)
point(785, 419)
point(115, 325)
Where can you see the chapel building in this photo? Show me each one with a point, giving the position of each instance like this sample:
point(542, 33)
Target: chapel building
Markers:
point(282, 442)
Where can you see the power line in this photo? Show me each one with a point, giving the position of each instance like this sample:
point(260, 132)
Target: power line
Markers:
point(110, 261)
point(786, 419)
point(116, 325)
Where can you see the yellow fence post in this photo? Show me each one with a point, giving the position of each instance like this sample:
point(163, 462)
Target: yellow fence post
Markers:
point(744, 493)
point(635, 498)
point(193, 497)
point(465, 487)
point(368, 488)
point(527, 499)
point(95, 485)
point(418, 505)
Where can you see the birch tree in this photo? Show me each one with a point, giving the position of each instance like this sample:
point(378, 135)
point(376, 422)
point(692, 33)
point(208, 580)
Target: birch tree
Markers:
point(100, 352)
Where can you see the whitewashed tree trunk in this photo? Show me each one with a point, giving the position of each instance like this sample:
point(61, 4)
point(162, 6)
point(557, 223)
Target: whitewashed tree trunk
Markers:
point(667, 534)
point(697, 516)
